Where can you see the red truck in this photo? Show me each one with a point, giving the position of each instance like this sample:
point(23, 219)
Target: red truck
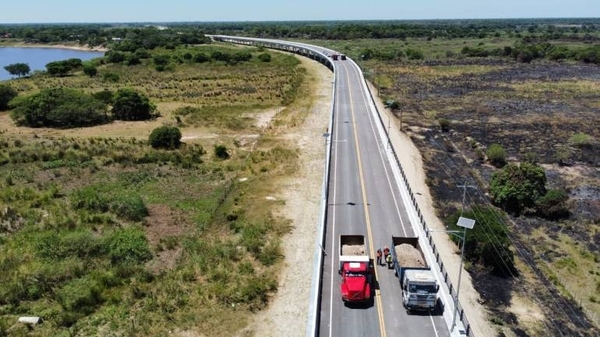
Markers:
point(356, 269)
point(334, 57)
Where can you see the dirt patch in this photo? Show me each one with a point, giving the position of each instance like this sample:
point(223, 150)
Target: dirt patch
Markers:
point(263, 119)
point(163, 226)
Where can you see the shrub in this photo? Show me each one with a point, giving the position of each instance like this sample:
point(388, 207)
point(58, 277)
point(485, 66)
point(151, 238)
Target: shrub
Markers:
point(7, 93)
point(128, 245)
point(133, 60)
point(580, 139)
point(496, 155)
point(444, 124)
point(414, 54)
point(59, 108)
point(221, 152)
point(105, 96)
point(90, 70)
point(81, 295)
point(129, 206)
point(517, 187)
point(553, 205)
point(161, 60)
point(129, 105)
point(142, 53)
point(201, 58)
point(111, 77)
point(264, 57)
point(168, 137)
point(90, 198)
point(114, 56)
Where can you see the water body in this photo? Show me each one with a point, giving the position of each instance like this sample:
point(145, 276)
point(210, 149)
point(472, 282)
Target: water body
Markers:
point(37, 58)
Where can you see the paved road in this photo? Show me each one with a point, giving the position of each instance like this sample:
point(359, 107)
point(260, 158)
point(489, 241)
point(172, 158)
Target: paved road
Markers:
point(364, 199)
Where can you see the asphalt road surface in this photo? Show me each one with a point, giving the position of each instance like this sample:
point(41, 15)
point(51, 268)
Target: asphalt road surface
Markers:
point(364, 200)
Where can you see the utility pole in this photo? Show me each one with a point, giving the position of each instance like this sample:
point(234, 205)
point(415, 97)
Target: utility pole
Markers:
point(464, 223)
point(464, 196)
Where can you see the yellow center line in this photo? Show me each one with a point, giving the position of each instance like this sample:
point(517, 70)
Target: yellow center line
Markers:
point(367, 215)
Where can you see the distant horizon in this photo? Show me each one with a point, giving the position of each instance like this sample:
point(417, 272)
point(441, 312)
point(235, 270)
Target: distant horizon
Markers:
point(296, 21)
point(158, 11)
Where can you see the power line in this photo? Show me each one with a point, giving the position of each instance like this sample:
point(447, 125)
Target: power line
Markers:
point(515, 243)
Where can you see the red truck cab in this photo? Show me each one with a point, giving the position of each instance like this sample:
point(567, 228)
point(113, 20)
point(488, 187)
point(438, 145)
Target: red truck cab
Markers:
point(356, 274)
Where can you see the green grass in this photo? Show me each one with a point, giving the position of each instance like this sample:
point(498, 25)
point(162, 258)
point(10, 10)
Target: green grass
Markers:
point(108, 236)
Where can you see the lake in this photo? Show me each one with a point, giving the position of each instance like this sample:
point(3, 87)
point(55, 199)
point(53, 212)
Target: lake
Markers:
point(37, 58)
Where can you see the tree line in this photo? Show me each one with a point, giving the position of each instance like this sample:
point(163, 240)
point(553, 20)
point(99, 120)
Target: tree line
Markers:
point(130, 37)
point(69, 108)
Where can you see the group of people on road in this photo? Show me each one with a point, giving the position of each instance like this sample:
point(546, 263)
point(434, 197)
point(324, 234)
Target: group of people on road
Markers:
point(386, 255)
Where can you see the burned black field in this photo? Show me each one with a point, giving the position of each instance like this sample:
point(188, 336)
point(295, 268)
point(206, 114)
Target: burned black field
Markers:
point(545, 112)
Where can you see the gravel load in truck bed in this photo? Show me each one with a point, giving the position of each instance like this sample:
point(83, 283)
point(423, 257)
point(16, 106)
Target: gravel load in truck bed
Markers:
point(353, 250)
point(409, 256)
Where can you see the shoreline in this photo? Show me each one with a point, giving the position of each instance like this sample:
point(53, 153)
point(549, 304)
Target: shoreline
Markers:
point(55, 46)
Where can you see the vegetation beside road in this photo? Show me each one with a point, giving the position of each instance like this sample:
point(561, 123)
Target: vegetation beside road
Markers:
point(138, 234)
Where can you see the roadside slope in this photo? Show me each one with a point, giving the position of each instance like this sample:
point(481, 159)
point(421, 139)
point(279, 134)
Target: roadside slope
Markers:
point(287, 312)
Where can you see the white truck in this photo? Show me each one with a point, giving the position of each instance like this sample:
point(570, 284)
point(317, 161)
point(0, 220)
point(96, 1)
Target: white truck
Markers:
point(418, 283)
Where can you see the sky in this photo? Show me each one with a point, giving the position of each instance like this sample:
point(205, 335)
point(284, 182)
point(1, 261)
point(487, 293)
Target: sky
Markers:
point(46, 11)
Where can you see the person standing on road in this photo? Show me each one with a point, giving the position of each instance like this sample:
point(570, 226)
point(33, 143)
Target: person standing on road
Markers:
point(379, 257)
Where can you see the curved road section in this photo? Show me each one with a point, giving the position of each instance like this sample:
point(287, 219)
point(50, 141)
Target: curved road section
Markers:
point(365, 196)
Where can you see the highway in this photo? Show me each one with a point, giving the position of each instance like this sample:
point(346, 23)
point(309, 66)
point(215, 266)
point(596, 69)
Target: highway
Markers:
point(364, 199)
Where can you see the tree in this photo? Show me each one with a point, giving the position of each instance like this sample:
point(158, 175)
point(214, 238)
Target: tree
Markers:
point(59, 108)
point(105, 96)
point(488, 242)
point(18, 69)
point(516, 188)
point(130, 105)
point(7, 93)
point(74, 63)
point(201, 58)
point(114, 56)
point(59, 68)
point(168, 137)
point(90, 70)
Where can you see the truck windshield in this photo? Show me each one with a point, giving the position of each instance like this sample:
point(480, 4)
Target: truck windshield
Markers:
point(421, 288)
point(354, 274)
